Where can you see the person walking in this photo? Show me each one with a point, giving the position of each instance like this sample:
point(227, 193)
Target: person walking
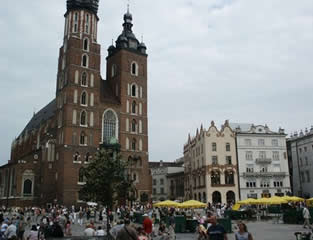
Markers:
point(147, 225)
point(216, 231)
point(306, 216)
point(243, 233)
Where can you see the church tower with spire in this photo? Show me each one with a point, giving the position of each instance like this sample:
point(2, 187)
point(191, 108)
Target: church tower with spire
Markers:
point(49, 156)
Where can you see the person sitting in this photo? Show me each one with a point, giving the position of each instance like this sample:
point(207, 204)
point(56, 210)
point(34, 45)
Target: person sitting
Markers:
point(33, 235)
point(100, 231)
point(89, 231)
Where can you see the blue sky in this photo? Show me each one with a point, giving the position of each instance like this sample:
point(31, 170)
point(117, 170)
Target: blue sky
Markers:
point(242, 60)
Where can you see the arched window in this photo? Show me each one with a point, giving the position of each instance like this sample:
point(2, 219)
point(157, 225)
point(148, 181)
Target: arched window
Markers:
point(28, 185)
point(87, 157)
point(229, 177)
point(85, 60)
point(83, 118)
point(83, 139)
point(84, 79)
point(134, 177)
point(81, 175)
point(86, 44)
point(134, 125)
point(134, 90)
point(134, 142)
point(134, 69)
point(215, 178)
point(110, 126)
point(134, 106)
point(84, 99)
point(114, 70)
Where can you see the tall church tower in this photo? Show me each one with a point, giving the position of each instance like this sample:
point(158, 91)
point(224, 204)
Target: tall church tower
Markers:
point(77, 96)
point(127, 74)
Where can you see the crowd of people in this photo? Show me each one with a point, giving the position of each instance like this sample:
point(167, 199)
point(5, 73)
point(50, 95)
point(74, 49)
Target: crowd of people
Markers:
point(158, 223)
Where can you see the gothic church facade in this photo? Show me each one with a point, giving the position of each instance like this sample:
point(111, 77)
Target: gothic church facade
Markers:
point(48, 157)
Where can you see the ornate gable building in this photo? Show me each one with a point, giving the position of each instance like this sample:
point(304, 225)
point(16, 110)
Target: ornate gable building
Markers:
point(48, 157)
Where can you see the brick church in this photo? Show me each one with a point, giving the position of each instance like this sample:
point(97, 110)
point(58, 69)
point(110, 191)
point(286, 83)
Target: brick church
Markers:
point(48, 157)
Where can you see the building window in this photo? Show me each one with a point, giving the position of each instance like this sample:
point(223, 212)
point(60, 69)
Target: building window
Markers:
point(134, 69)
point(251, 184)
point(229, 177)
point(265, 184)
point(134, 90)
point(87, 157)
point(261, 142)
point(134, 107)
point(308, 177)
point(87, 24)
point(215, 178)
point(83, 100)
point(27, 189)
point(248, 142)
point(275, 142)
point(85, 60)
point(276, 155)
point(161, 181)
point(305, 149)
point(83, 139)
point(213, 147)
point(114, 70)
point(81, 175)
point(228, 160)
point(83, 118)
point(250, 168)
point(154, 182)
point(301, 162)
point(162, 190)
point(300, 150)
point(262, 154)
point(75, 28)
point(134, 126)
point(249, 155)
point(306, 161)
point(84, 79)
point(227, 147)
point(86, 44)
point(154, 191)
point(134, 142)
point(109, 129)
point(214, 160)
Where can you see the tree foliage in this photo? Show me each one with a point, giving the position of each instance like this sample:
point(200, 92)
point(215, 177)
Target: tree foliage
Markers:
point(106, 178)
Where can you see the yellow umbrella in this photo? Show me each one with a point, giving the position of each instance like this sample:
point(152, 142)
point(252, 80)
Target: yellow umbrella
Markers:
point(236, 207)
point(262, 201)
point(248, 201)
point(276, 200)
point(293, 199)
point(310, 200)
point(193, 204)
point(166, 203)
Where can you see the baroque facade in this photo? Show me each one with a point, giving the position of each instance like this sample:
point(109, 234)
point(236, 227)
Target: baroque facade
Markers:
point(262, 160)
point(300, 151)
point(48, 157)
point(211, 165)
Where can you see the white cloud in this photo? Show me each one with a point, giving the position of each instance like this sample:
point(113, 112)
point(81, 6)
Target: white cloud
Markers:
point(243, 60)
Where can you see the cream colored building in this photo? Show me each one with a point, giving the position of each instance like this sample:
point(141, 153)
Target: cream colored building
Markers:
point(211, 165)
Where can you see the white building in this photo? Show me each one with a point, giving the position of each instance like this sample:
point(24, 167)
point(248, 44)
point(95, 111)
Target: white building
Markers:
point(262, 160)
point(300, 151)
point(211, 165)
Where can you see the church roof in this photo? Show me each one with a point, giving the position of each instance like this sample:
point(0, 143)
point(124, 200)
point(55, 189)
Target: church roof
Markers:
point(43, 115)
point(91, 5)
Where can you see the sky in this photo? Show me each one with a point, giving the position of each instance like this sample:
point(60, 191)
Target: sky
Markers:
point(242, 60)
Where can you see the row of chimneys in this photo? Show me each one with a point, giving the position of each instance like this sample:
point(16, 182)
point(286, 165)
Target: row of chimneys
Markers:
point(301, 133)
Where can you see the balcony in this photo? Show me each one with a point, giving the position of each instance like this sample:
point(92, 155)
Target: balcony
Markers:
point(264, 174)
point(263, 161)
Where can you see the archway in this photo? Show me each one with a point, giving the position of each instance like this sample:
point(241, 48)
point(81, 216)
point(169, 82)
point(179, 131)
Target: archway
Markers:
point(230, 197)
point(216, 197)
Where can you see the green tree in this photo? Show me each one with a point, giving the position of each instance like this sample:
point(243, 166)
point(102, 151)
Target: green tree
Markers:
point(106, 178)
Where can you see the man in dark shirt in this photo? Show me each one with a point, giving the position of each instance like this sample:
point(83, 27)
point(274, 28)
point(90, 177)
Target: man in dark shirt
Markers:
point(216, 231)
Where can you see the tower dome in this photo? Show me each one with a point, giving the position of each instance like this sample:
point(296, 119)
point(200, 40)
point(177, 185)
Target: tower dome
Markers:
point(91, 5)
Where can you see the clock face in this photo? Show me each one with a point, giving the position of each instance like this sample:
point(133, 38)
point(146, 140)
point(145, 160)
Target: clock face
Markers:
point(132, 44)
